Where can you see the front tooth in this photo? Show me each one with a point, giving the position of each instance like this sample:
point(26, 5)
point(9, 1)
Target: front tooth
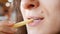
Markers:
point(36, 18)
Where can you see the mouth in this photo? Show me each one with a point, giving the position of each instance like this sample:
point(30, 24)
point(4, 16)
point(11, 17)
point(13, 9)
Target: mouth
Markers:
point(36, 21)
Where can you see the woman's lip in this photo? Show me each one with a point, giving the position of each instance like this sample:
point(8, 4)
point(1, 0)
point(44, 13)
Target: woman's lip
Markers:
point(35, 22)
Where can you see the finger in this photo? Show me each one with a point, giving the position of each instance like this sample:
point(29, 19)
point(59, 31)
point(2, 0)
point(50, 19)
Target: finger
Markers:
point(8, 23)
point(9, 30)
point(1, 23)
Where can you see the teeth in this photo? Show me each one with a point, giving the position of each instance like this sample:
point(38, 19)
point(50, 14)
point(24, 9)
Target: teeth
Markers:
point(35, 18)
point(38, 18)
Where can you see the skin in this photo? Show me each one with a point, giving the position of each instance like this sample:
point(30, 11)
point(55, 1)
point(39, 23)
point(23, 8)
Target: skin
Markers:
point(6, 27)
point(49, 9)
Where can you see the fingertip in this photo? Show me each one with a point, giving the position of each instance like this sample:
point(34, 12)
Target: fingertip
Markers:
point(9, 24)
point(15, 30)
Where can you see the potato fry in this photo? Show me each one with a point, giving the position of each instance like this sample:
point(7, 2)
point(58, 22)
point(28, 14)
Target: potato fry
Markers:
point(19, 24)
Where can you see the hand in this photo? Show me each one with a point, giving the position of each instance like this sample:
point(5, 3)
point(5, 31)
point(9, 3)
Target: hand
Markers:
point(6, 27)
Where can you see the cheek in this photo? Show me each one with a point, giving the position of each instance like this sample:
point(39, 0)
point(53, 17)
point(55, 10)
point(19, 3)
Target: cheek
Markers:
point(49, 4)
point(22, 9)
point(52, 6)
point(23, 13)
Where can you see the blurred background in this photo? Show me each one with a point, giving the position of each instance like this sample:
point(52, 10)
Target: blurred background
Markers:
point(10, 10)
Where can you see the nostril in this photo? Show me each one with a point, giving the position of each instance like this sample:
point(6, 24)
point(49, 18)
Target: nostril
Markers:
point(31, 6)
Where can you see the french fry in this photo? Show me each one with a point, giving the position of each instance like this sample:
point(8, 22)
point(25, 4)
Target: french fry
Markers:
point(19, 24)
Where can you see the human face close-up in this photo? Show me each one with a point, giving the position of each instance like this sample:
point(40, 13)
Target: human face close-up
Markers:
point(46, 15)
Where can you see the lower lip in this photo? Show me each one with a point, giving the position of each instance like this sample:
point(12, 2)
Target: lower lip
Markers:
point(35, 22)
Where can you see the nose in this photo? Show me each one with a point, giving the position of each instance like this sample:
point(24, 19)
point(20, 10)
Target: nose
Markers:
point(31, 4)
